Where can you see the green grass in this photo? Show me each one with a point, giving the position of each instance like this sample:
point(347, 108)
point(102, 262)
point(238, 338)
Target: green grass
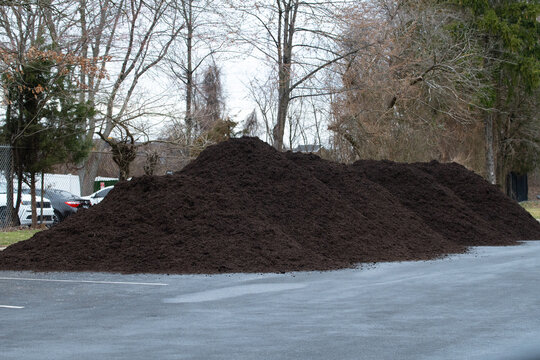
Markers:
point(11, 237)
point(533, 207)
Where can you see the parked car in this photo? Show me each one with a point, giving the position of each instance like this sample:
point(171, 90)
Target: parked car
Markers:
point(96, 197)
point(25, 208)
point(63, 202)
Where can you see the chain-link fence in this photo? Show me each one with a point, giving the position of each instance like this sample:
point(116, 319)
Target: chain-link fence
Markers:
point(6, 186)
point(16, 194)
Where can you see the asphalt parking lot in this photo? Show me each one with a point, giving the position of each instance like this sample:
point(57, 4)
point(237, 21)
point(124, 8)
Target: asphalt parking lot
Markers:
point(480, 305)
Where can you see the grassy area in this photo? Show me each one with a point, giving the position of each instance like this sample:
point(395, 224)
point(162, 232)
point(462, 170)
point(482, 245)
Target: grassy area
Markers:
point(11, 237)
point(533, 207)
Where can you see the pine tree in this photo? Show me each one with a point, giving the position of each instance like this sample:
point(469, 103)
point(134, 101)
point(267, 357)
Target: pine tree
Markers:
point(44, 122)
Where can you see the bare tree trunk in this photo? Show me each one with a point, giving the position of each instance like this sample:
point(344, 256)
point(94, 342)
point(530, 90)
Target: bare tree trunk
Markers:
point(490, 153)
point(88, 173)
point(189, 75)
point(124, 171)
point(286, 29)
point(279, 129)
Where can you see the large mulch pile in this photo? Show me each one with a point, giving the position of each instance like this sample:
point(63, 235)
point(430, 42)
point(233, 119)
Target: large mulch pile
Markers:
point(241, 206)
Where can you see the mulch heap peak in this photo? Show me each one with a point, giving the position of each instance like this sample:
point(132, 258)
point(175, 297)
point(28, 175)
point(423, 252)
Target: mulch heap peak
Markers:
point(242, 206)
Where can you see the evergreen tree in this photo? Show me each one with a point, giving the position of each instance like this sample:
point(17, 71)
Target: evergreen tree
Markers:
point(44, 123)
point(511, 31)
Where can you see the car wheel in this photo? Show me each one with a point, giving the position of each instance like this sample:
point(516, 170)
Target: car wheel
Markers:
point(57, 217)
point(55, 221)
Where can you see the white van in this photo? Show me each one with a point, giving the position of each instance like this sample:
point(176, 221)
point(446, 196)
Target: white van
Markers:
point(25, 209)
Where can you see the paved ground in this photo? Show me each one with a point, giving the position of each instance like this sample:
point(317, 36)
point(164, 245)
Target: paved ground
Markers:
point(482, 305)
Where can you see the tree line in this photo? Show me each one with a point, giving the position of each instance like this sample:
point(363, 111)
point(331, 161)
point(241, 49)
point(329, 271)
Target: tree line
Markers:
point(448, 80)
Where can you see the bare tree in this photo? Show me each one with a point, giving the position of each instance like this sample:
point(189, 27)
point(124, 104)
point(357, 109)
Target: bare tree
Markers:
point(124, 151)
point(130, 38)
point(413, 90)
point(210, 123)
point(297, 39)
point(516, 132)
point(137, 35)
point(204, 39)
point(251, 124)
point(34, 41)
point(264, 95)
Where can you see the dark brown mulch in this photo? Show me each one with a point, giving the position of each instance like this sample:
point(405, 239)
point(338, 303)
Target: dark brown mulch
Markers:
point(507, 217)
point(438, 206)
point(241, 206)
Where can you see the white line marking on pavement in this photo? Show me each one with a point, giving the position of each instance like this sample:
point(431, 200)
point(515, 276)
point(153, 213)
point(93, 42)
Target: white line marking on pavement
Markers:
point(11, 307)
point(87, 281)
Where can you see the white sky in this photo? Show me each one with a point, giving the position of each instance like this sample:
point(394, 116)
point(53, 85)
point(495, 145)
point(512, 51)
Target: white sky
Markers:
point(236, 75)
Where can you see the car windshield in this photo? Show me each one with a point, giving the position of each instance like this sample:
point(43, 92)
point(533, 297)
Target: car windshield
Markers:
point(103, 192)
